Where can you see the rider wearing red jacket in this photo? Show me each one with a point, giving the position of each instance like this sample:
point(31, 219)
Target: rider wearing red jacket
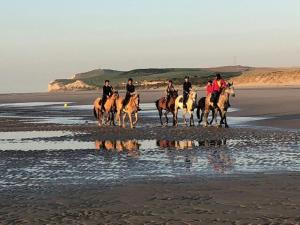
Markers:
point(217, 86)
point(209, 88)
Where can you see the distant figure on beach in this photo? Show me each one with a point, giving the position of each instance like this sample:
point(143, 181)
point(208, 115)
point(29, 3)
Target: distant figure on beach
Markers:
point(107, 91)
point(130, 91)
point(187, 87)
point(217, 86)
point(170, 91)
point(209, 87)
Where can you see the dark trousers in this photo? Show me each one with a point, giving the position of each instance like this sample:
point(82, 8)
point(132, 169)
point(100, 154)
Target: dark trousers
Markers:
point(104, 98)
point(215, 98)
point(185, 98)
point(126, 100)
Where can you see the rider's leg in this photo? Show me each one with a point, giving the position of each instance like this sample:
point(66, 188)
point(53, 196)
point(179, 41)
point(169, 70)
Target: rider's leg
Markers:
point(127, 97)
point(104, 98)
point(185, 97)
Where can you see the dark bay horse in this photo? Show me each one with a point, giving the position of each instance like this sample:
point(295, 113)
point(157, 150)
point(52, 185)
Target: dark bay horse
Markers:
point(201, 107)
point(162, 105)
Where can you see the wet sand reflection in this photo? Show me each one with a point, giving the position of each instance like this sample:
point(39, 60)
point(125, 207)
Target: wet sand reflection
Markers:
point(190, 151)
point(131, 147)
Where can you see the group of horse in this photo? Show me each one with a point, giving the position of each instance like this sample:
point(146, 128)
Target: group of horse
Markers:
point(114, 105)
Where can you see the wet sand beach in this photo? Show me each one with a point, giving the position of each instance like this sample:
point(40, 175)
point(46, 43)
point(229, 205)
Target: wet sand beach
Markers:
point(58, 167)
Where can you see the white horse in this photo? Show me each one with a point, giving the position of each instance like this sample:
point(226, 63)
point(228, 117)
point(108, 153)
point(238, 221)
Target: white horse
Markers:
point(190, 105)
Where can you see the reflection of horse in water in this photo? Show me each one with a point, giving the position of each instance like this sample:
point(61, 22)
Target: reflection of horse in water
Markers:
point(212, 143)
point(129, 146)
point(179, 145)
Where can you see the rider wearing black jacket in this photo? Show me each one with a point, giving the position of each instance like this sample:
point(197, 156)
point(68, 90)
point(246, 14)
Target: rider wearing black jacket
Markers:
point(187, 87)
point(107, 91)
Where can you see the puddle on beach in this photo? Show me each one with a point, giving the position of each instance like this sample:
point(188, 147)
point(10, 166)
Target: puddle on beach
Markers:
point(40, 158)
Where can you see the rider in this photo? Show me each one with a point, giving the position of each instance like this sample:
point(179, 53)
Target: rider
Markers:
point(107, 91)
point(170, 91)
point(130, 90)
point(187, 87)
point(209, 87)
point(217, 86)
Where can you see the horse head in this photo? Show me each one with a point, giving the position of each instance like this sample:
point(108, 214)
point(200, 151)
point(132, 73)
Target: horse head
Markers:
point(193, 95)
point(174, 94)
point(230, 89)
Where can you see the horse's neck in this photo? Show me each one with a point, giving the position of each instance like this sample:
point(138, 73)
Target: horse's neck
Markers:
point(108, 103)
point(224, 96)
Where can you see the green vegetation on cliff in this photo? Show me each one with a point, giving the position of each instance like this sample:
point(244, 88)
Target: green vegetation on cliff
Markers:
point(158, 77)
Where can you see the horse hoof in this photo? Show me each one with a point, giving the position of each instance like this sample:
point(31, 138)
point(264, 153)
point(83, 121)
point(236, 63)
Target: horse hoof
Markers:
point(226, 126)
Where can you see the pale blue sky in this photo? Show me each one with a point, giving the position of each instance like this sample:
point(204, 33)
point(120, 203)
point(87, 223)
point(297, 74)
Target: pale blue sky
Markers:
point(43, 40)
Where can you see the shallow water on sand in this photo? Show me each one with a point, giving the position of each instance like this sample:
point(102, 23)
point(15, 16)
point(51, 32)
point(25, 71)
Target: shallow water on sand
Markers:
point(57, 113)
point(37, 158)
point(40, 158)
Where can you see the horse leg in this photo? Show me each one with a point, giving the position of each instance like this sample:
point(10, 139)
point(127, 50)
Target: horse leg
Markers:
point(174, 122)
point(113, 119)
point(225, 119)
point(99, 118)
point(118, 118)
point(184, 119)
point(212, 117)
point(136, 118)
point(191, 119)
point(160, 115)
point(206, 117)
point(222, 113)
point(166, 115)
point(130, 120)
point(176, 116)
point(201, 117)
point(124, 116)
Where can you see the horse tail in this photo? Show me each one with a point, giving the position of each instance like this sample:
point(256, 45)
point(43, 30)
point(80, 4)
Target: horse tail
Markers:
point(95, 113)
point(156, 103)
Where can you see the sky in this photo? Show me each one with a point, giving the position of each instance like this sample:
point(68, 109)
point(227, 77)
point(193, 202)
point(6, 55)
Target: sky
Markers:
point(44, 40)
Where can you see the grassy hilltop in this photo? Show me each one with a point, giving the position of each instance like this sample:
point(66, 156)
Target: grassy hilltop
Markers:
point(144, 77)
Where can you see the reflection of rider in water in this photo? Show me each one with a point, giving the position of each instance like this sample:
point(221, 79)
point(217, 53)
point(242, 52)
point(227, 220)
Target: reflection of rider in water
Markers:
point(220, 161)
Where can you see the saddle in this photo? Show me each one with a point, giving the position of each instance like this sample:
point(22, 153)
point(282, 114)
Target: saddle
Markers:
point(163, 99)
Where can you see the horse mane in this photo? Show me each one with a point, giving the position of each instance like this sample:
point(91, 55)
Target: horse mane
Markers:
point(223, 91)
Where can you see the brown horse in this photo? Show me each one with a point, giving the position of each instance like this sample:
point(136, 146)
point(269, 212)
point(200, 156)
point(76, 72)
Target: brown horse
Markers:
point(119, 108)
point(99, 113)
point(223, 103)
point(131, 108)
point(161, 104)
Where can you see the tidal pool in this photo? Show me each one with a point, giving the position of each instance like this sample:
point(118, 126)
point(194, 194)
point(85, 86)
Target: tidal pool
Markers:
point(51, 158)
